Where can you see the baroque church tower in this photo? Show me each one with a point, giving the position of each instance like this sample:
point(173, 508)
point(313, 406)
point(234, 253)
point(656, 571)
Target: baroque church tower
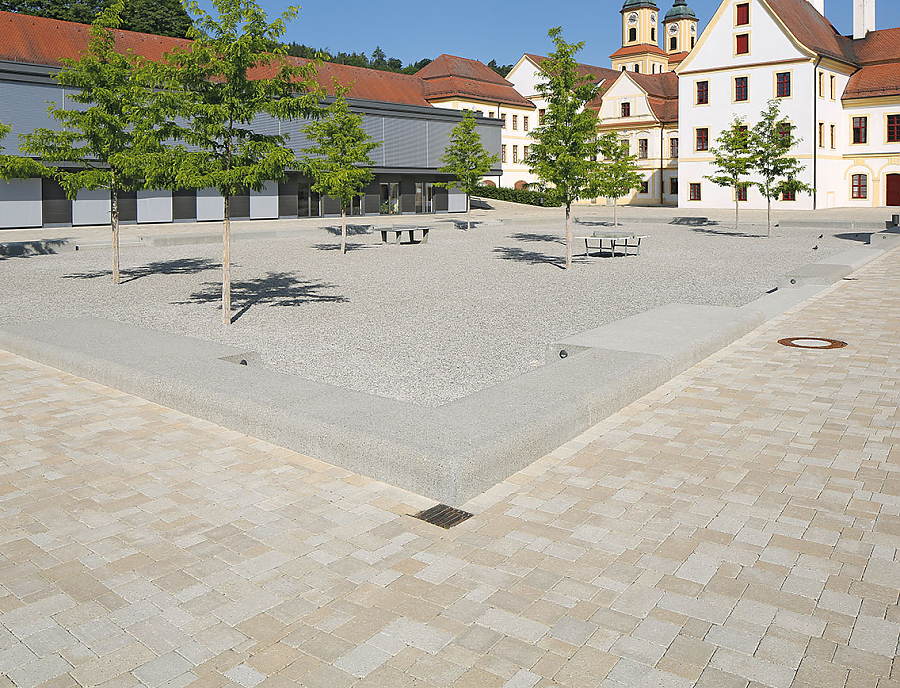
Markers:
point(640, 51)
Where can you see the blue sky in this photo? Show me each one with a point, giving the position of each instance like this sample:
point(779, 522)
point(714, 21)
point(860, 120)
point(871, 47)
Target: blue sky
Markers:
point(485, 30)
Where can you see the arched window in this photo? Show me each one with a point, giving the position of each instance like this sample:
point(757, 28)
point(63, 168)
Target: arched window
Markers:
point(653, 34)
point(637, 68)
point(632, 35)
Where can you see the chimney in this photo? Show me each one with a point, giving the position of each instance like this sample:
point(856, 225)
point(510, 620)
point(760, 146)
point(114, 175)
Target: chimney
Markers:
point(819, 5)
point(863, 18)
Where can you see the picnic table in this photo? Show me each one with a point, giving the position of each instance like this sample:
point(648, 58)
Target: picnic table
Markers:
point(398, 230)
point(616, 240)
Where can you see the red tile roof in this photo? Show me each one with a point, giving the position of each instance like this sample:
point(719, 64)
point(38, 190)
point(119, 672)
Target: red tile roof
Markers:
point(596, 73)
point(639, 50)
point(874, 80)
point(663, 85)
point(812, 29)
point(878, 46)
point(449, 76)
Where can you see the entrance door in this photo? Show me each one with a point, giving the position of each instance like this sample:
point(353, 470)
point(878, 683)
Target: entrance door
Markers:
point(390, 198)
point(893, 189)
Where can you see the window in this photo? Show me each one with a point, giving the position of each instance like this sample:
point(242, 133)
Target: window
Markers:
point(702, 139)
point(626, 109)
point(783, 85)
point(789, 196)
point(542, 115)
point(702, 93)
point(784, 129)
point(503, 117)
point(645, 187)
point(893, 128)
point(693, 41)
point(741, 192)
point(695, 192)
point(637, 69)
point(673, 43)
point(742, 44)
point(632, 35)
point(860, 186)
point(491, 114)
point(653, 34)
point(742, 14)
point(643, 148)
point(673, 186)
point(821, 135)
point(833, 137)
point(673, 148)
point(821, 84)
point(860, 130)
point(740, 88)
point(515, 154)
point(515, 123)
point(524, 153)
point(503, 153)
point(525, 123)
point(832, 86)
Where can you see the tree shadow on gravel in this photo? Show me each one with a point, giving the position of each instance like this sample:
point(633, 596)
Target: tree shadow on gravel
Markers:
point(726, 232)
point(281, 289)
point(536, 238)
point(352, 230)
point(179, 266)
point(520, 255)
point(337, 247)
point(30, 249)
point(596, 223)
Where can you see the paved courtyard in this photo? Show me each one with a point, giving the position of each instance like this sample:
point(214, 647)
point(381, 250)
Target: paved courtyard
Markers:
point(738, 527)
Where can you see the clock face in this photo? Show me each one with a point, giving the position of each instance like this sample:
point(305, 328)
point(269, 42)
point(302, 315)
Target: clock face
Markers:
point(693, 28)
point(653, 18)
point(632, 18)
point(673, 29)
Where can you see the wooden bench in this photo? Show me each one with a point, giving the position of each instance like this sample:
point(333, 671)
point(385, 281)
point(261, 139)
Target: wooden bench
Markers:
point(617, 240)
point(398, 230)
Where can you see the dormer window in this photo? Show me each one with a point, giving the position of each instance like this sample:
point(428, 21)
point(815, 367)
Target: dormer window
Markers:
point(626, 109)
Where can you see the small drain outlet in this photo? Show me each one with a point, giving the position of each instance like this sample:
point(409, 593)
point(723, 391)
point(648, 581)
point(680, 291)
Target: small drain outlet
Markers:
point(444, 516)
point(812, 343)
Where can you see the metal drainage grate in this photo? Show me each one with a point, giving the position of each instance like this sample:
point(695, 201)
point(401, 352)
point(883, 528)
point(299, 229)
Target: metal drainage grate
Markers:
point(812, 343)
point(443, 516)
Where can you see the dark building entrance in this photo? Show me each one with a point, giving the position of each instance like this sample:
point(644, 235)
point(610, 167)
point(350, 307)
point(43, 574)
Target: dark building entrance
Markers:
point(893, 189)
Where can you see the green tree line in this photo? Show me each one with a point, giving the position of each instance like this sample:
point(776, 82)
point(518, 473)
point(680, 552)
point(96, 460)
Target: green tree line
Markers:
point(160, 17)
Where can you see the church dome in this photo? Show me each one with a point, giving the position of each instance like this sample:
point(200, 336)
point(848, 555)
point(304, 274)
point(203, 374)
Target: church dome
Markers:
point(634, 4)
point(680, 10)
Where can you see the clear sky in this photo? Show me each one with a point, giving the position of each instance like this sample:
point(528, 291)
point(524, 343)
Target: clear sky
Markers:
point(500, 30)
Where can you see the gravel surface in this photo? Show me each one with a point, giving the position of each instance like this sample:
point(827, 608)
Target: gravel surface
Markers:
point(427, 323)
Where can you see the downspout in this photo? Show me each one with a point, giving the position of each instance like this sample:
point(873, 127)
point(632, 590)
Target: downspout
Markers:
point(815, 137)
point(662, 181)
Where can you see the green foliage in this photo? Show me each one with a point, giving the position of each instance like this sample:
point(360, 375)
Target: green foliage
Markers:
point(734, 161)
point(209, 86)
point(566, 144)
point(547, 198)
point(14, 166)
point(619, 173)
point(502, 70)
point(162, 17)
point(339, 161)
point(110, 141)
point(465, 158)
point(771, 142)
point(378, 61)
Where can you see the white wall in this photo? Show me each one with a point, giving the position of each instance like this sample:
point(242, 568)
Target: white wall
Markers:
point(264, 204)
point(210, 205)
point(21, 203)
point(91, 208)
point(154, 206)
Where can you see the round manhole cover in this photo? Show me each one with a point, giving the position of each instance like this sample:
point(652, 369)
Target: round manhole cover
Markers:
point(812, 343)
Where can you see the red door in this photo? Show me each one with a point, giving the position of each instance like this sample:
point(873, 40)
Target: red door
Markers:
point(893, 189)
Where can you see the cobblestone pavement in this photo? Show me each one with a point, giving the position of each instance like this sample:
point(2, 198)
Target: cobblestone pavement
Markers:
point(738, 527)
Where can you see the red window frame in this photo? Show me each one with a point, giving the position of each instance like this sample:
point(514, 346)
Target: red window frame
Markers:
point(789, 196)
point(524, 122)
point(783, 85)
point(696, 193)
point(742, 44)
point(702, 93)
point(741, 88)
point(703, 139)
point(515, 154)
point(643, 148)
point(673, 186)
point(524, 153)
point(741, 192)
point(673, 148)
point(860, 130)
point(503, 153)
point(645, 187)
point(860, 187)
point(784, 129)
point(743, 14)
point(626, 109)
point(893, 128)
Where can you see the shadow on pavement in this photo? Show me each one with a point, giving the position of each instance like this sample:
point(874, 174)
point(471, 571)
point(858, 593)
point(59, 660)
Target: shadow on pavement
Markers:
point(30, 249)
point(180, 266)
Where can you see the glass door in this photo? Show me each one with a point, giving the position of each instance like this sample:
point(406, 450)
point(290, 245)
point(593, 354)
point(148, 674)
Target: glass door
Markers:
point(420, 197)
point(390, 198)
point(429, 197)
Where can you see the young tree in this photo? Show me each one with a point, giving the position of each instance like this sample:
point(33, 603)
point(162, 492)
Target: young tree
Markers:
point(15, 166)
point(110, 142)
point(734, 162)
point(218, 86)
point(339, 162)
point(619, 173)
point(466, 159)
point(565, 146)
point(771, 142)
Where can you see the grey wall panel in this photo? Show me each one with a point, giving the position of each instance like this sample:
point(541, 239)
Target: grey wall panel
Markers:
point(438, 140)
point(24, 107)
point(239, 206)
point(210, 205)
point(490, 139)
point(372, 200)
point(127, 206)
point(264, 204)
point(373, 125)
point(57, 208)
point(456, 201)
point(154, 206)
point(405, 142)
point(297, 140)
point(184, 205)
point(332, 206)
point(288, 205)
point(91, 208)
point(21, 199)
point(407, 195)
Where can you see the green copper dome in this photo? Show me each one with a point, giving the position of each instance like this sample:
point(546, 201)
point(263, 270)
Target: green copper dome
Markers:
point(634, 4)
point(680, 10)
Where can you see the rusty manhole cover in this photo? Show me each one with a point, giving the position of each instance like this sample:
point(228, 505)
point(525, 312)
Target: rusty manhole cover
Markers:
point(812, 343)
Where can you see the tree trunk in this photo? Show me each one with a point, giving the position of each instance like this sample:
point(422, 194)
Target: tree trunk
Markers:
point(226, 264)
point(343, 229)
point(570, 239)
point(468, 212)
point(737, 209)
point(114, 221)
point(768, 217)
point(615, 212)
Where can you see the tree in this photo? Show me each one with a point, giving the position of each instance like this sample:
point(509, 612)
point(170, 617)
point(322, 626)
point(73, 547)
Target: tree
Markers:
point(466, 159)
point(618, 174)
point(14, 166)
point(161, 17)
point(339, 161)
point(771, 141)
point(113, 140)
point(218, 86)
point(734, 162)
